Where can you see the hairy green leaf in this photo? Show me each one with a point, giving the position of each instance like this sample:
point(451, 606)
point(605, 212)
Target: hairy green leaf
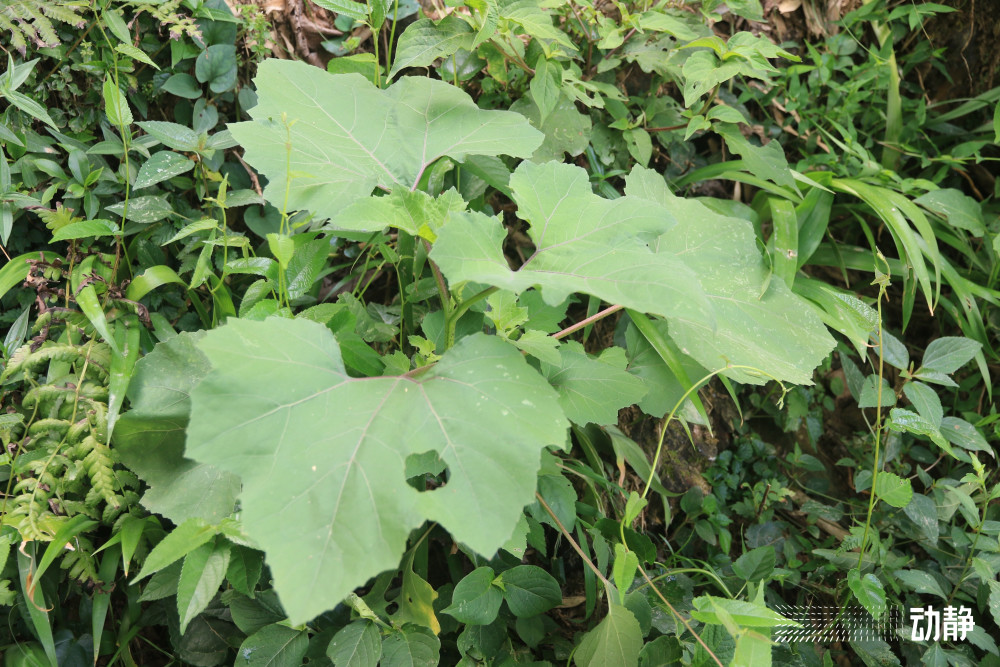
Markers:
point(322, 456)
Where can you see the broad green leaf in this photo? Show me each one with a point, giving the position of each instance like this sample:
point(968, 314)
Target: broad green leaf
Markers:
point(416, 600)
point(593, 389)
point(149, 438)
point(920, 582)
point(893, 489)
point(539, 345)
point(926, 401)
point(201, 575)
point(959, 432)
point(171, 135)
point(144, 210)
point(245, 567)
point(906, 420)
point(893, 351)
point(756, 564)
point(348, 137)
point(412, 646)
point(86, 229)
point(545, 86)
point(475, 600)
point(216, 66)
point(273, 646)
point(358, 644)
point(136, 54)
point(583, 243)
point(529, 590)
point(702, 71)
point(755, 321)
point(566, 130)
point(416, 213)
point(160, 167)
point(349, 8)
point(743, 612)
point(949, 353)
point(753, 649)
point(959, 209)
point(654, 357)
point(535, 21)
point(115, 104)
point(309, 441)
point(623, 570)
point(870, 396)
point(664, 650)
point(183, 85)
point(181, 541)
point(424, 41)
point(767, 162)
point(616, 640)
point(923, 512)
point(869, 592)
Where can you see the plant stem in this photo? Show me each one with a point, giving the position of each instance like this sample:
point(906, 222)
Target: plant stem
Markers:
point(610, 310)
point(456, 314)
point(572, 542)
point(878, 435)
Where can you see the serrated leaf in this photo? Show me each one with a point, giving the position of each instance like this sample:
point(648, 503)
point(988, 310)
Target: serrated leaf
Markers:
point(926, 401)
point(160, 167)
point(593, 390)
point(349, 137)
point(757, 322)
point(115, 105)
point(475, 600)
point(274, 646)
point(949, 353)
point(870, 396)
point(136, 54)
point(358, 644)
point(309, 442)
point(617, 640)
point(905, 420)
point(539, 345)
point(86, 229)
point(424, 41)
point(893, 489)
point(869, 592)
point(181, 541)
point(529, 590)
point(150, 437)
point(201, 575)
point(743, 612)
point(583, 243)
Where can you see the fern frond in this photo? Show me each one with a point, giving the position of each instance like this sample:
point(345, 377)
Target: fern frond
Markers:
point(32, 19)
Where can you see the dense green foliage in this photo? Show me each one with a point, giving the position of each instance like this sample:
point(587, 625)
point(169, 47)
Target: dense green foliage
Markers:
point(428, 358)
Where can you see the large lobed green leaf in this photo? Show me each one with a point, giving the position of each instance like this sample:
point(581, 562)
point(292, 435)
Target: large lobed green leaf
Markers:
point(339, 137)
point(758, 321)
point(652, 252)
point(583, 243)
point(322, 456)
